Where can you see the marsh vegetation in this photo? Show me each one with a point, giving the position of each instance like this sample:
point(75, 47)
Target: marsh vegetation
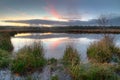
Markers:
point(100, 56)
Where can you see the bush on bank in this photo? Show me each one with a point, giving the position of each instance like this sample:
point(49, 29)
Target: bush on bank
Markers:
point(103, 50)
point(29, 59)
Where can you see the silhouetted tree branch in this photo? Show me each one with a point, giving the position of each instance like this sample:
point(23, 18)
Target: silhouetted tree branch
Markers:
point(102, 22)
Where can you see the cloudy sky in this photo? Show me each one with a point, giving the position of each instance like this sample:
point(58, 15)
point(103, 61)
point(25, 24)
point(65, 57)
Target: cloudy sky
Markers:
point(55, 10)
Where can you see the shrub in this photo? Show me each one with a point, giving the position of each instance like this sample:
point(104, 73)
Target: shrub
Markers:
point(4, 59)
point(93, 72)
point(103, 50)
point(71, 56)
point(29, 59)
point(5, 42)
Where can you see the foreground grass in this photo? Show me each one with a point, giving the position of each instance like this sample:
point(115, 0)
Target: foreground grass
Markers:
point(29, 59)
point(103, 50)
point(5, 42)
point(4, 59)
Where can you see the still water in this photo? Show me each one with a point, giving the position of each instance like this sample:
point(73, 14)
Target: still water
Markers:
point(55, 43)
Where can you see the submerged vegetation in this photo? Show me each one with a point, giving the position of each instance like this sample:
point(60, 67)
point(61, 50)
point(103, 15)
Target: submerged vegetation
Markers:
point(29, 59)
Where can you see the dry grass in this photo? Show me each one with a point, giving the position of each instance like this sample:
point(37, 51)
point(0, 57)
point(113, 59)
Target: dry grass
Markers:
point(103, 50)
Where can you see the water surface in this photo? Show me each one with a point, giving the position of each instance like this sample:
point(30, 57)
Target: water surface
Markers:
point(55, 43)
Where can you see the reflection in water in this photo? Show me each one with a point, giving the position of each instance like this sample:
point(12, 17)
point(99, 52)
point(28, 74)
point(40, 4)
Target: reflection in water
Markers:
point(22, 34)
point(54, 44)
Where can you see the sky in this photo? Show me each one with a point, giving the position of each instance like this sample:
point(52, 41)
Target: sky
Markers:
point(55, 10)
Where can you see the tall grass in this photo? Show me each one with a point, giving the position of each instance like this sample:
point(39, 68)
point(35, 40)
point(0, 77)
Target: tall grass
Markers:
point(94, 71)
point(4, 59)
point(29, 59)
point(103, 50)
point(5, 42)
point(71, 56)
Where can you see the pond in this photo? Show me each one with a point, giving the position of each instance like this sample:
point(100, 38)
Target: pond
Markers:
point(55, 43)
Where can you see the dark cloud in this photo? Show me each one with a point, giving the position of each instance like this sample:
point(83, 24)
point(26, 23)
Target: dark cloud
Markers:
point(111, 21)
point(39, 21)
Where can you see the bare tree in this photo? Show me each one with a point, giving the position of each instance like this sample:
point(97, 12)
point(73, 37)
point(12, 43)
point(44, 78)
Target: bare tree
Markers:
point(102, 22)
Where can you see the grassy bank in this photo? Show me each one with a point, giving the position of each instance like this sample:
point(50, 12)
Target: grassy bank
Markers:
point(29, 59)
point(5, 48)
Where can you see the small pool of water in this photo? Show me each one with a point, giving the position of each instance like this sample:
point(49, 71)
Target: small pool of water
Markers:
point(55, 43)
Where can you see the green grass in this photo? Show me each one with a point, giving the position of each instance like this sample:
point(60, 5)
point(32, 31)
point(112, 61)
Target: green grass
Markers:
point(93, 72)
point(103, 50)
point(29, 59)
point(5, 42)
point(71, 56)
point(4, 59)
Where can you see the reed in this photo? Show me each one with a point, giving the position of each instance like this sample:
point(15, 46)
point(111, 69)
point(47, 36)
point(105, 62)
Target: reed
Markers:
point(71, 56)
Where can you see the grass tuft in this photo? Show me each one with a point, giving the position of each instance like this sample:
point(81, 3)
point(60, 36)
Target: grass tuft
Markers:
point(71, 56)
